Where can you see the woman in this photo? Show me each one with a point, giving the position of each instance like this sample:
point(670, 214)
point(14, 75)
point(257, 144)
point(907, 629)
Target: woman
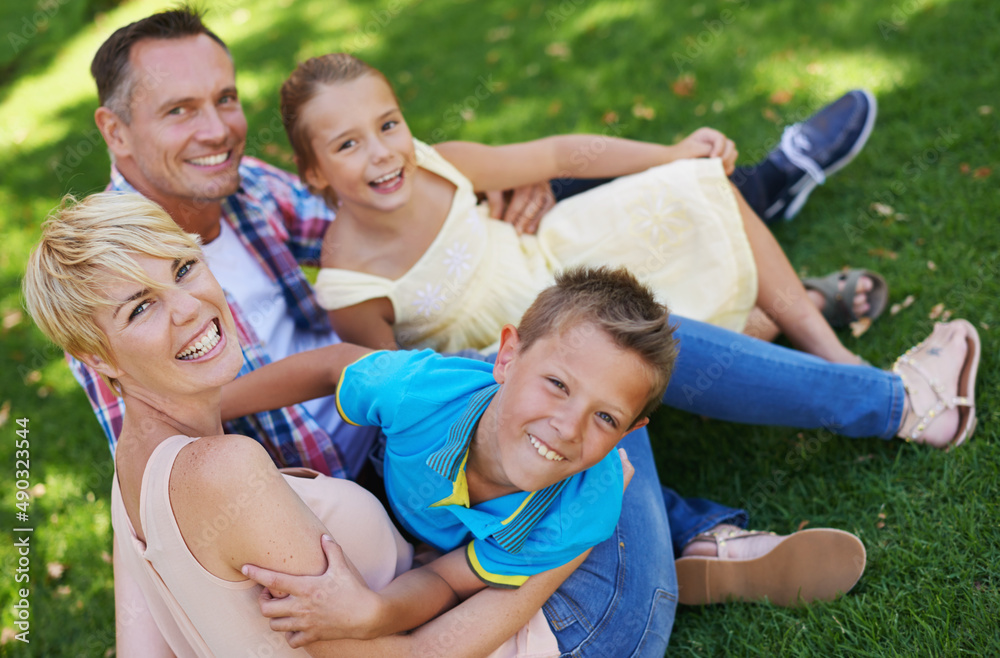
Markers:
point(118, 284)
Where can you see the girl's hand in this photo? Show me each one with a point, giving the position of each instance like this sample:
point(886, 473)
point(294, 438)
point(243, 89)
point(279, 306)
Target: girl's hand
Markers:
point(524, 207)
point(335, 605)
point(710, 143)
point(627, 469)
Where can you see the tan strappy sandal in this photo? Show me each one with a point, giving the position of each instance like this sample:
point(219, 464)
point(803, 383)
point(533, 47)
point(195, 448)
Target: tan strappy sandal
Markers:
point(809, 565)
point(910, 370)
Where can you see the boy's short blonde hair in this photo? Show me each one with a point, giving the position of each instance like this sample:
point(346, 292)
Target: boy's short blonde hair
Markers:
point(83, 246)
point(614, 301)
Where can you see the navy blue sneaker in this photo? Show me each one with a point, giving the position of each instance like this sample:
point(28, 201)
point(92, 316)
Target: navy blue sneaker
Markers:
point(814, 149)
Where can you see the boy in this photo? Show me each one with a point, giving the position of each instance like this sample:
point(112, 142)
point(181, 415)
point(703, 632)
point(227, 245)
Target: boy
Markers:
point(514, 456)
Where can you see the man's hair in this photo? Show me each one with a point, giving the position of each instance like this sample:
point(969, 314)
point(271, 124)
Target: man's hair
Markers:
point(305, 82)
point(84, 245)
point(614, 301)
point(111, 67)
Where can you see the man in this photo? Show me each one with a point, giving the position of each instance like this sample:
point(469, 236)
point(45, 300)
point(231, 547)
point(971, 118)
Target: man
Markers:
point(171, 118)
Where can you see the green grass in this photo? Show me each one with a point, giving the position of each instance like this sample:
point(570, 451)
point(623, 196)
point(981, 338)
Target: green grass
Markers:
point(930, 587)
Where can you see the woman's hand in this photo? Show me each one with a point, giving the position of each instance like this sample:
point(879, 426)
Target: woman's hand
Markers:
point(332, 606)
point(524, 207)
point(710, 143)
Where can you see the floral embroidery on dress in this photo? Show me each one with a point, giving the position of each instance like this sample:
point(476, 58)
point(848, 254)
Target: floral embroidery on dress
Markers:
point(658, 220)
point(476, 222)
point(458, 260)
point(429, 300)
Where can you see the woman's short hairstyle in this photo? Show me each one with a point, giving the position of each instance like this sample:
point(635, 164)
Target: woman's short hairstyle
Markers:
point(305, 82)
point(614, 301)
point(85, 244)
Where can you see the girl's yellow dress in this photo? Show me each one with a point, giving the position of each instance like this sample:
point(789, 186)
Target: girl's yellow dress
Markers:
point(676, 227)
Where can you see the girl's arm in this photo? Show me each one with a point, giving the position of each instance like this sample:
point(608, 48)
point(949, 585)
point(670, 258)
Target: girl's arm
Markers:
point(577, 156)
point(292, 380)
point(368, 323)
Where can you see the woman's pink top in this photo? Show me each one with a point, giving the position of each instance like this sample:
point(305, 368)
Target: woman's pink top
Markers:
point(200, 614)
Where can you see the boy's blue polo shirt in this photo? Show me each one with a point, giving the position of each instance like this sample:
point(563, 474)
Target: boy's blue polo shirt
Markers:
point(429, 406)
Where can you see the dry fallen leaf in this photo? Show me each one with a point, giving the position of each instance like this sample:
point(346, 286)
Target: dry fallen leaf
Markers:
point(881, 515)
point(880, 252)
point(931, 266)
point(803, 524)
point(964, 168)
point(555, 107)
point(4, 413)
point(7, 635)
point(936, 311)
point(63, 590)
point(557, 49)
point(946, 316)
point(640, 111)
point(38, 490)
point(11, 318)
point(770, 115)
point(55, 570)
point(982, 172)
point(985, 109)
point(864, 458)
point(610, 117)
point(106, 557)
point(780, 97)
point(684, 85)
point(880, 525)
point(33, 377)
point(861, 326)
point(985, 326)
point(883, 209)
point(499, 33)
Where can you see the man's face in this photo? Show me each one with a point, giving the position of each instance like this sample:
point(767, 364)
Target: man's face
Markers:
point(564, 404)
point(188, 130)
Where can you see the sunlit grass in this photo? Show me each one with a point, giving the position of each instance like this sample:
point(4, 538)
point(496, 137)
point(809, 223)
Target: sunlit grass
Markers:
point(593, 65)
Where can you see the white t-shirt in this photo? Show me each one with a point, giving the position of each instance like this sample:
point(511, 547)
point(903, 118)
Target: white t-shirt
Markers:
point(264, 308)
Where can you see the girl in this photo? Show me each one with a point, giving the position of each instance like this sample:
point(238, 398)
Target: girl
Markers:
point(412, 260)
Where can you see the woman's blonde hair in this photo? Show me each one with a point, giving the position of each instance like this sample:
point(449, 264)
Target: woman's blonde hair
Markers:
point(84, 245)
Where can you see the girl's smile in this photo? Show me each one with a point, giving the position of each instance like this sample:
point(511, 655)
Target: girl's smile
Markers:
point(363, 147)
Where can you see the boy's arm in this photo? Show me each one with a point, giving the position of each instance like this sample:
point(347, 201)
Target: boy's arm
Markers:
point(292, 380)
point(577, 156)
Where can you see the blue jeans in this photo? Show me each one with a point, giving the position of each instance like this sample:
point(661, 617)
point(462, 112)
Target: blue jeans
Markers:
point(729, 376)
point(621, 601)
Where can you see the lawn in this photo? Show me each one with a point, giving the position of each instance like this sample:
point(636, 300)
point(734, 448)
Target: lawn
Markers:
point(920, 205)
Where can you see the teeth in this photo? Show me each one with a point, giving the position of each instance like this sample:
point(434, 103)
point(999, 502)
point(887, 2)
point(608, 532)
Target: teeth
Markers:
point(551, 455)
point(387, 177)
point(210, 160)
point(201, 346)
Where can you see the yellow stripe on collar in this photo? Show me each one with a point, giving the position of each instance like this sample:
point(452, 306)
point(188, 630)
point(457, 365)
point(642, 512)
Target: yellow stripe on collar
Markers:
point(459, 488)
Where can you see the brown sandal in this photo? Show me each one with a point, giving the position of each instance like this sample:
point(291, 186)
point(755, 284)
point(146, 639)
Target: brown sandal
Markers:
point(809, 565)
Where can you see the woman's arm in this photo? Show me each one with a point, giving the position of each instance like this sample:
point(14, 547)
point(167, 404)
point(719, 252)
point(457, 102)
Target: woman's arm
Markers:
point(136, 633)
point(576, 156)
point(269, 525)
point(292, 380)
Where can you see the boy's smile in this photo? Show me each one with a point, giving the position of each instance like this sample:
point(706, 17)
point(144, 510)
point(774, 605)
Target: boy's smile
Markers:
point(564, 404)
